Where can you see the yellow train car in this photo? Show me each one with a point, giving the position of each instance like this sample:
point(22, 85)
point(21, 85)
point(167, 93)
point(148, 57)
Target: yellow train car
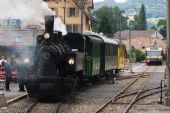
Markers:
point(123, 62)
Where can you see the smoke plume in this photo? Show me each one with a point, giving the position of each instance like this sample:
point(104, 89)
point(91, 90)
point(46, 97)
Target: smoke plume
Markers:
point(29, 11)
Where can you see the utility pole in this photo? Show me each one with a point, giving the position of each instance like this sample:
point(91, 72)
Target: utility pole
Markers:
point(117, 23)
point(156, 36)
point(129, 36)
point(64, 11)
point(120, 27)
point(167, 99)
point(82, 8)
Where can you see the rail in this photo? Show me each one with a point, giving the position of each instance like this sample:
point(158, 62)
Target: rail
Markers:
point(113, 98)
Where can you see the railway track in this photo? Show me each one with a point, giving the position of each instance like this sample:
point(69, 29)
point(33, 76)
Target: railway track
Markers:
point(129, 76)
point(44, 107)
point(25, 105)
point(85, 104)
point(124, 100)
point(16, 99)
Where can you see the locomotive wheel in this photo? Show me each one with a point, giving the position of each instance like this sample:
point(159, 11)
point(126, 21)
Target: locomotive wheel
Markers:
point(117, 71)
point(76, 81)
point(79, 80)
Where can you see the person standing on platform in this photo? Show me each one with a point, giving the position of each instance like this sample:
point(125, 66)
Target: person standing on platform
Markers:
point(13, 71)
point(2, 72)
point(7, 69)
point(2, 62)
point(20, 66)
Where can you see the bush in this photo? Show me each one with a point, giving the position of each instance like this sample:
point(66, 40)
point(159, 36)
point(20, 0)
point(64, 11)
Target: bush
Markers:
point(136, 54)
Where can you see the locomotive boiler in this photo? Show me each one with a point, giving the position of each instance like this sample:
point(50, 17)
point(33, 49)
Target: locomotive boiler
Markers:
point(55, 65)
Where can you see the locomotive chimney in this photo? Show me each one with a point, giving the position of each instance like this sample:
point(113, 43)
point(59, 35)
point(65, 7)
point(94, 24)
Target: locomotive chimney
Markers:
point(49, 24)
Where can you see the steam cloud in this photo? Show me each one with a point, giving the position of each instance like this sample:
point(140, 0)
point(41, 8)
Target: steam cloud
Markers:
point(29, 11)
point(59, 26)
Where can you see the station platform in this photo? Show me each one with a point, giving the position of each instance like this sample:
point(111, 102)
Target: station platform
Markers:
point(14, 87)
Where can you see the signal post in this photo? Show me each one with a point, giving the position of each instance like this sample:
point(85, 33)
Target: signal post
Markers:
point(167, 98)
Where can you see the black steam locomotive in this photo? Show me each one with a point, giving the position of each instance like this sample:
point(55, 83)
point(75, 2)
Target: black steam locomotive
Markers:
point(55, 65)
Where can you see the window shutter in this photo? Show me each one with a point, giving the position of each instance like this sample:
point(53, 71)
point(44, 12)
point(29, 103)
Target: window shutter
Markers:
point(68, 11)
point(77, 11)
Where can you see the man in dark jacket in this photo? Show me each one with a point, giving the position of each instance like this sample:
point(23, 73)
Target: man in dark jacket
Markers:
point(7, 69)
point(21, 69)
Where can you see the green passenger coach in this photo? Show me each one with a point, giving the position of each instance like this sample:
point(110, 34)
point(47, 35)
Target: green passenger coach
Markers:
point(93, 50)
point(108, 58)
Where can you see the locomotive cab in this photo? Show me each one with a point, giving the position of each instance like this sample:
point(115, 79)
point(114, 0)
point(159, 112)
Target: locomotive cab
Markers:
point(74, 61)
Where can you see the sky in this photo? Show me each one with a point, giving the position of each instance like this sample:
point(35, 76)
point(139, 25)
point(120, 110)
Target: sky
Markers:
point(118, 1)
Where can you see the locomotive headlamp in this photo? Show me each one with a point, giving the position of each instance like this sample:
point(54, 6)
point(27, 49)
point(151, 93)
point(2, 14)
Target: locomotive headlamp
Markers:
point(26, 60)
point(46, 35)
point(71, 61)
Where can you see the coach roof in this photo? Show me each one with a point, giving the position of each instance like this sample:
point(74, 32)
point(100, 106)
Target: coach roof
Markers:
point(93, 38)
point(106, 40)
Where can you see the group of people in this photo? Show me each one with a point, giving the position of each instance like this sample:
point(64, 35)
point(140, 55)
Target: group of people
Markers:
point(7, 65)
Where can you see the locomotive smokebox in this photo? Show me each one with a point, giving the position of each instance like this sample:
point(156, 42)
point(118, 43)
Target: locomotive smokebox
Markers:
point(49, 24)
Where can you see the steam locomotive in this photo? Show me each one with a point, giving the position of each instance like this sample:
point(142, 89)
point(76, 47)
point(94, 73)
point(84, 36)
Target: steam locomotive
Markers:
point(54, 66)
point(63, 62)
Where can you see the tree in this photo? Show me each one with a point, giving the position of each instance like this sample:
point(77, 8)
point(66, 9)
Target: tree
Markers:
point(163, 30)
point(109, 20)
point(104, 23)
point(136, 54)
point(140, 19)
point(153, 28)
point(161, 22)
point(162, 27)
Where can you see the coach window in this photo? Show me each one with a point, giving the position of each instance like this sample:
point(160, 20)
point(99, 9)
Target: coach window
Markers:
point(107, 50)
point(114, 50)
point(95, 48)
point(111, 50)
point(98, 53)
